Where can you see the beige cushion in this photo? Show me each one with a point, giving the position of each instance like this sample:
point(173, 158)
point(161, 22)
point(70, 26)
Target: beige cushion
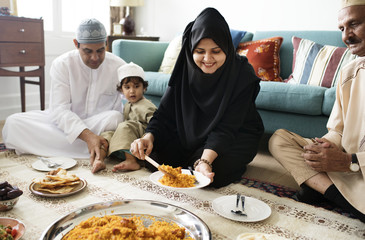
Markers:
point(171, 54)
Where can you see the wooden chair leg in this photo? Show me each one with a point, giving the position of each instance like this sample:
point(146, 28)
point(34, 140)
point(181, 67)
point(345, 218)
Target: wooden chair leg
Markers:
point(42, 88)
point(22, 89)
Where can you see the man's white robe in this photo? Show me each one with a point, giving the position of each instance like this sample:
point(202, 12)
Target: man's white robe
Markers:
point(80, 98)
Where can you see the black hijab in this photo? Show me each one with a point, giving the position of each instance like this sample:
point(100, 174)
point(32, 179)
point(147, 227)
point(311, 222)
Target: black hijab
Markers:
point(202, 99)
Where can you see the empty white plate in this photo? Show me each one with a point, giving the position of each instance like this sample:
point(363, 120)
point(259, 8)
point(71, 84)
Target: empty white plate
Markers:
point(66, 163)
point(256, 209)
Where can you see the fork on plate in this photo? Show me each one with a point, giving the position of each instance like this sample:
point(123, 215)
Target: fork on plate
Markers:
point(237, 210)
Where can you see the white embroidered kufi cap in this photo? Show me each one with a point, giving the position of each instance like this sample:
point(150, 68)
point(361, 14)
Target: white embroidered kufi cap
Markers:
point(91, 31)
point(130, 70)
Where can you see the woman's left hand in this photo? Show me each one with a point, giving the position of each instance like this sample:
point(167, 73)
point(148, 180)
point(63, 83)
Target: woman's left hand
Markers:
point(205, 169)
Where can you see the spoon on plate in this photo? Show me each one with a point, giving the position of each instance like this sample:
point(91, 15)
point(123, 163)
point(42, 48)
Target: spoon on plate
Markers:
point(192, 173)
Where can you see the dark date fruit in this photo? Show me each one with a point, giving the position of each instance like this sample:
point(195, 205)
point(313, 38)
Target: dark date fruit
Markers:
point(7, 191)
point(14, 193)
point(3, 184)
point(3, 192)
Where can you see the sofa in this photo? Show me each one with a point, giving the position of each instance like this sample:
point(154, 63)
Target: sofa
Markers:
point(300, 108)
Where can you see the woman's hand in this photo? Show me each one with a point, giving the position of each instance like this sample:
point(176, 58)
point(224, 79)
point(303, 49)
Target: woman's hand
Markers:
point(203, 167)
point(142, 146)
point(206, 170)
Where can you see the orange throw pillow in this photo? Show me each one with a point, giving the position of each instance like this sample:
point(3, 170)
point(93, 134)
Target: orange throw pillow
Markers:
point(264, 57)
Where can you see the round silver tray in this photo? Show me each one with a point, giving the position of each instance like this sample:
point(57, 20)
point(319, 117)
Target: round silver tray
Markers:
point(195, 227)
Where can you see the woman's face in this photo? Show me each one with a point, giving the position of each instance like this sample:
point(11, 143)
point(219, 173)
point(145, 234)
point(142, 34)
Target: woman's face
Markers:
point(208, 56)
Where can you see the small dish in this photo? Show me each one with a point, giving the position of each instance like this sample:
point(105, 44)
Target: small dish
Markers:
point(6, 205)
point(78, 188)
point(203, 181)
point(66, 163)
point(256, 209)
point(14, 223)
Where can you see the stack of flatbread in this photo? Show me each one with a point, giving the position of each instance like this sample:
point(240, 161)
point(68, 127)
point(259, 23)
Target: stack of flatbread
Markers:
point(58, 181)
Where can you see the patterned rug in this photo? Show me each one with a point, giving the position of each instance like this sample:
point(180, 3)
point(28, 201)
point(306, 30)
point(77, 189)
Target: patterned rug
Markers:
point(283, 191)
point(2, 147)
point(278, 190)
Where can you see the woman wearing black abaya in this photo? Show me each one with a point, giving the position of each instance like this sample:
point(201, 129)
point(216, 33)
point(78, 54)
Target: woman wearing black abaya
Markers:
point(207, 117)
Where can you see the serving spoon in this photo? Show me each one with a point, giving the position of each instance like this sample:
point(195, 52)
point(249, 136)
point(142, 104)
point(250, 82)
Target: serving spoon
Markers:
point(158, 166)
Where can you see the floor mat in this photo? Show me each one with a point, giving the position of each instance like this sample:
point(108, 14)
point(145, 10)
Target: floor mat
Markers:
point(283, 191)
point(2, 147)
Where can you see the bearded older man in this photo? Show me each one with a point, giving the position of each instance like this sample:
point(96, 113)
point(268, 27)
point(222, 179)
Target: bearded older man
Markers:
point(333, 167)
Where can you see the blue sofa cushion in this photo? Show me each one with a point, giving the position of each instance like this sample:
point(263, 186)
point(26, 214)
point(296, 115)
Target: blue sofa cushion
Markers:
point(329, 99)
point(284, 97)
point(157, 83)
point(147, 54)
point(237, 36)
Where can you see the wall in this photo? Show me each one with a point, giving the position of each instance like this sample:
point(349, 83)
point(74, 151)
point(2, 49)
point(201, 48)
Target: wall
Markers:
point(167, 18)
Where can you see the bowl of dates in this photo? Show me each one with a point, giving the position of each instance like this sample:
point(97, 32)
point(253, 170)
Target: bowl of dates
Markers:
point(9, 196)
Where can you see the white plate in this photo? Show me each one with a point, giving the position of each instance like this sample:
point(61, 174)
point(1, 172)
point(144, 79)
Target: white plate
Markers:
point(66, 163)
point(77, 189)
point(252, 236)
point(256, 209)
point(203, 180)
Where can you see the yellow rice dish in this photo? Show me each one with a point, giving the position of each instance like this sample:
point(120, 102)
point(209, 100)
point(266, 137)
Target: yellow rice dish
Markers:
point(118, 228)
point(180, 180)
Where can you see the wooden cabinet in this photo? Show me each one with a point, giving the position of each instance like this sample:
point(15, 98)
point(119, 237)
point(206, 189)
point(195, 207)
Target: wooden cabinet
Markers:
point(22, 45)
point(110, 39)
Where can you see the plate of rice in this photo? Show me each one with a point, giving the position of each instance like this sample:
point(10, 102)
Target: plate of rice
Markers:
point(184, 180)
point(145, 214)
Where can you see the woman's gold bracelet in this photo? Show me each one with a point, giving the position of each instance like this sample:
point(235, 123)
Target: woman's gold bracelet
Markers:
point(197, 162)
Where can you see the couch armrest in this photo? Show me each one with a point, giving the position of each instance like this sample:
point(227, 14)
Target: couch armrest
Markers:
point(147, 54)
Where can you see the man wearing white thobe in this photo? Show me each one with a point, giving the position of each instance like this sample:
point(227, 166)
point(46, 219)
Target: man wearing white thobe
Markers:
point(84, 102)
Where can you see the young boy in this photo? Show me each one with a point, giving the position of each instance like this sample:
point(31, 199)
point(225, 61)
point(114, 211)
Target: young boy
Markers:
point(137, 113)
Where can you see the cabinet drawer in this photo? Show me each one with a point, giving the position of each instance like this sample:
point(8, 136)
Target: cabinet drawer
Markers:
point(19, 31)
point(21, 54)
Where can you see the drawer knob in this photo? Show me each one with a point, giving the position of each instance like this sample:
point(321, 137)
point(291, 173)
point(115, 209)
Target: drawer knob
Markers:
point(22, 51)
point(22, 30)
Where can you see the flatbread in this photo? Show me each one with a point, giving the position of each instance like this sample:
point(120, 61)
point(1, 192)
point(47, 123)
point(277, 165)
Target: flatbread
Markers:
point(58, 190)
point(57, 181)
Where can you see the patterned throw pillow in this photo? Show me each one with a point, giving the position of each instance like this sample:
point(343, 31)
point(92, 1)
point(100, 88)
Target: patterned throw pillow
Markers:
point(264, 57)
point(316, 64)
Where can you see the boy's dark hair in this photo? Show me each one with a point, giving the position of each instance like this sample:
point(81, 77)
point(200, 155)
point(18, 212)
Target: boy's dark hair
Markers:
point(134, 79)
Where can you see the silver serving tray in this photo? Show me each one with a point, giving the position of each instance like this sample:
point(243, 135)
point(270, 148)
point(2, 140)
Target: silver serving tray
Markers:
point(195, 227)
